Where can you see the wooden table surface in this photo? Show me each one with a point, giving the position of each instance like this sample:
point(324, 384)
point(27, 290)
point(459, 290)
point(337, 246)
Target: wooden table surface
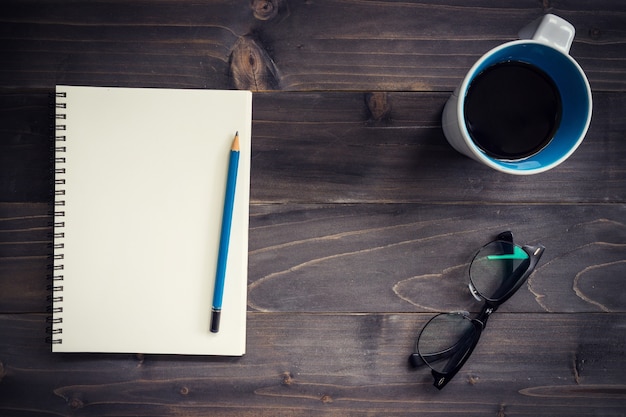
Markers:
point(362, 217)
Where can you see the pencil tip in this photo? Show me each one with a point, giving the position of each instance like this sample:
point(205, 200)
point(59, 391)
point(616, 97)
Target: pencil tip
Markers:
point(235, 146)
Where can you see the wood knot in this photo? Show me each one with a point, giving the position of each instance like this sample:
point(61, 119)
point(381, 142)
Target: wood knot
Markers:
point(184, 391)
point(473, 380)
point(378, 105)
point(251, 68)
point(595, 33)
point(287, 379)
point(76, 403)
point(578, 366)
point(326, 399)
point(140, 359)
point(265, 9)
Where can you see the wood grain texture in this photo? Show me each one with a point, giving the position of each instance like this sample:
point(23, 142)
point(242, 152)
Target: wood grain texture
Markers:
point(315, 45)
point(378, 257)
point(303, 152)
point(342, 147)
point(414, 257)
point(25, 152)
point(25, 250)
point(362, 218)
point(330, 365)
point(251, 68)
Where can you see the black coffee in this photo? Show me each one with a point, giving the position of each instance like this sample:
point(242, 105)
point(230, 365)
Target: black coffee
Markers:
point(512, 110)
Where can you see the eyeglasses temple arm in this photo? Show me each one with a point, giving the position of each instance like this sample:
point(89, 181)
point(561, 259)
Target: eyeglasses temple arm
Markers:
point(417, 359)
point(456, 362)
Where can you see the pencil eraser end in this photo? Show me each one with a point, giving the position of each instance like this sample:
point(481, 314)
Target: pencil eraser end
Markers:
point(215, 321)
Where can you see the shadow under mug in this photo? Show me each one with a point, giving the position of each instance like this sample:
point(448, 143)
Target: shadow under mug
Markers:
point(546, 47)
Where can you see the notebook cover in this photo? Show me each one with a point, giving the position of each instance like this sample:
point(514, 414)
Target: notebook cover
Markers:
point(140, 176)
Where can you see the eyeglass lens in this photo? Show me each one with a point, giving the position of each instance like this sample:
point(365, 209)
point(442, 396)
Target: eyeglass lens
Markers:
point(496, 268)
point(445, 340)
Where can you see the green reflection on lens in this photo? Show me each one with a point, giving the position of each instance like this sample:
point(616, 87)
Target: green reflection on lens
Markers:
point(518, 253)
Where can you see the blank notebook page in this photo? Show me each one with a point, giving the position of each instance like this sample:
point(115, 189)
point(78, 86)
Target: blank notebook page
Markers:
point(141, 176)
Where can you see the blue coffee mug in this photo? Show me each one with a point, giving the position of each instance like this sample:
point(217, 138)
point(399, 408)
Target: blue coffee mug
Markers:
point(546, 48)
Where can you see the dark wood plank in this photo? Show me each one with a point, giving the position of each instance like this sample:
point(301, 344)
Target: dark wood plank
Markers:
point(378, 258)
point(25, 250)
point(25, 150)
point(343, 147)
point(404, 258)
point(330, 147)
point(293, 45)
point(331, 365)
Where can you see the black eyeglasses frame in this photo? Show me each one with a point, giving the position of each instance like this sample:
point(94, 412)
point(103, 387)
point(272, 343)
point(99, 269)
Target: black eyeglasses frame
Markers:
point(464, 348)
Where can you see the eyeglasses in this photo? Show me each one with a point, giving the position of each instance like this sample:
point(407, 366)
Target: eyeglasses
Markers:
point(496, 272)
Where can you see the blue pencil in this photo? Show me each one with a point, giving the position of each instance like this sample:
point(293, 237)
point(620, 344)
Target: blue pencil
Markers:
point(227, 217)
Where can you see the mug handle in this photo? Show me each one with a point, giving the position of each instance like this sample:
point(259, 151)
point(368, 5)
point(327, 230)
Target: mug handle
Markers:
point(550, 30)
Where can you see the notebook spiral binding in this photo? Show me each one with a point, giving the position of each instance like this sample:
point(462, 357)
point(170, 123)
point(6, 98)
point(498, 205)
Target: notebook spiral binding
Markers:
point(55, 285)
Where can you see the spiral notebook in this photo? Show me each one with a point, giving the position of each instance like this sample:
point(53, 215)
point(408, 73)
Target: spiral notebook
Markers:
point(140, 176)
